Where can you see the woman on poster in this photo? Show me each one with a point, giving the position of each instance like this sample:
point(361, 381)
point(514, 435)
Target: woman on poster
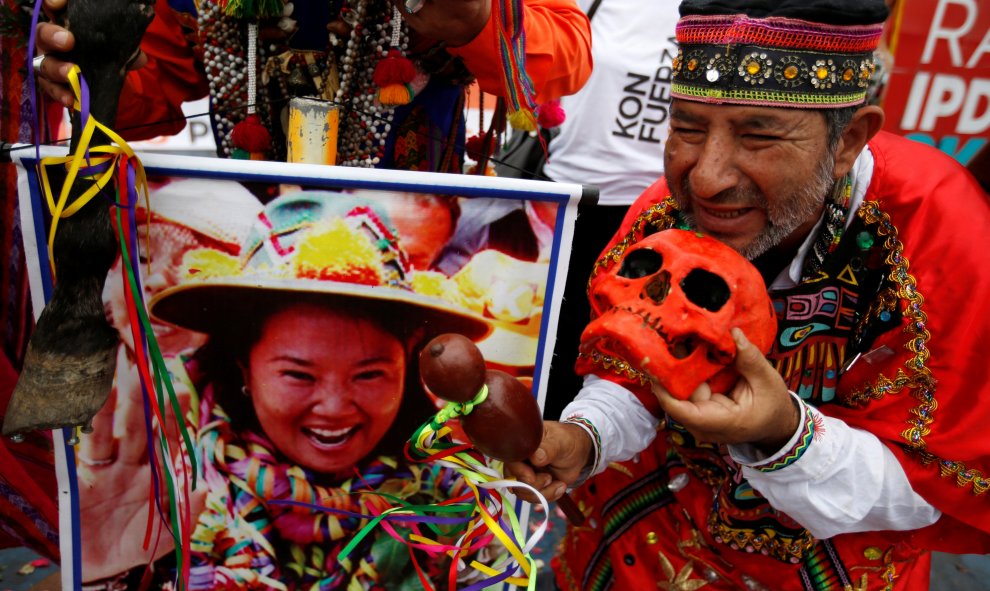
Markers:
point(306, 392)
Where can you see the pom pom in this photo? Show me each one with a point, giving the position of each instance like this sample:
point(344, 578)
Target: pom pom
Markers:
point(394, 69)
point(550, 114)
point(251, 136)
point(239, 154)
point(523, 119)
point(395, 94)
point(474, 146)
point(252, 9)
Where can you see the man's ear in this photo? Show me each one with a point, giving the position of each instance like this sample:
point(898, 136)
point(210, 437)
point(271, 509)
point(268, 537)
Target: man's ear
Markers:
point(864, 125)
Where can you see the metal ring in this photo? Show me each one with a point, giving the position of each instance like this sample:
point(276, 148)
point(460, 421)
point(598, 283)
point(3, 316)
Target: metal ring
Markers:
point(414, 6)
point(36, 63)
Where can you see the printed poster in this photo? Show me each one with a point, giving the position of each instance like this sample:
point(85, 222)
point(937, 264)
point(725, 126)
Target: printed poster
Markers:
point(290, 304)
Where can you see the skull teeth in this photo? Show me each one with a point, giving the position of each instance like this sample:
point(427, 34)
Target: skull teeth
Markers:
point(653, 323)
point(680, 348)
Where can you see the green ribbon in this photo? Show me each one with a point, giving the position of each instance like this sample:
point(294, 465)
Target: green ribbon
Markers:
point(162, 386)
point(458, 409)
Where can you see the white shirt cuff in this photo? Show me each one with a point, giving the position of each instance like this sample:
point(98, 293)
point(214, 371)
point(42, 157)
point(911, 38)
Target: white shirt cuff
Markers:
point(617, 422)
point(835, 479)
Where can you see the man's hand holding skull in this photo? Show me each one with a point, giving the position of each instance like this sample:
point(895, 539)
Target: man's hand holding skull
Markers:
point(758, 410)
point(681, 309)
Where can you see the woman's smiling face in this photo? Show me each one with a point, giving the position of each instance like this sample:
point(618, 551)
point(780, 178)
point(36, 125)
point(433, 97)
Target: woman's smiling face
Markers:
point(326, 384)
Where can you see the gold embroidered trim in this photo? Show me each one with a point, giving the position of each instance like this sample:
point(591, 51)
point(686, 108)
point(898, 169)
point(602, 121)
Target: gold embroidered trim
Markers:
point(679, 581)
point(964, 477)
point(616, 365)
point(658, 215)
point(572, 584)
point(918, 378)
point(661, 212)
point(790, 550)
point(889, 572)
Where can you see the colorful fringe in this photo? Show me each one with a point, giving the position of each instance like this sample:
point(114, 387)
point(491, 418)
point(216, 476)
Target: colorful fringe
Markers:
point(512, 48)
point(102, 166)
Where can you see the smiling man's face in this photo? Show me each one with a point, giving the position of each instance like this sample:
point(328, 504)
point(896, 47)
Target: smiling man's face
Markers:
point(753, 177)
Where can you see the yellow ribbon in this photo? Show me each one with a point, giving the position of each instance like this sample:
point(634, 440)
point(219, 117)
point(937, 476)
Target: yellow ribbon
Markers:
point(61, 208)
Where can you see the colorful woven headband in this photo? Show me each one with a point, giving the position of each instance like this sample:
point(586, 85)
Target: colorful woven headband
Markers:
point(773, 61)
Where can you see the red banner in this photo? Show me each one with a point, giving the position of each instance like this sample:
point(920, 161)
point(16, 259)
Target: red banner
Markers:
point(939, 89)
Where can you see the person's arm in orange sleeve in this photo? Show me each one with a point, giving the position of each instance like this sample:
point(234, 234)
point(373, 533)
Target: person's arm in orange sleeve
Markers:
point(558, 50)
point(152, 97)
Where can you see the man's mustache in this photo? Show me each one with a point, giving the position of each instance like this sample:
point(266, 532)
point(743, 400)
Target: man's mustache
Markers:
point(733, 197)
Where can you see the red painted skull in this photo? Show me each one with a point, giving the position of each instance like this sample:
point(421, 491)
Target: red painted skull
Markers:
point(668, 307)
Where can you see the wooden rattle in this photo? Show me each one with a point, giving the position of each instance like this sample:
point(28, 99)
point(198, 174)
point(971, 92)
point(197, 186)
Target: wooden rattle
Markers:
point(507, 425)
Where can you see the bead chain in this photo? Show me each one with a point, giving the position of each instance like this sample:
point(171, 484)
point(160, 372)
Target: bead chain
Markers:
point(836, 213)
point(364, 122)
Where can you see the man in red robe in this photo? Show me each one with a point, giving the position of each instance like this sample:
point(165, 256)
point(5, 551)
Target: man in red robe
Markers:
point(856, 446)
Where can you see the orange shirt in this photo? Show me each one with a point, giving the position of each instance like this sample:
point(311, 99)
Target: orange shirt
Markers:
point(558, 50)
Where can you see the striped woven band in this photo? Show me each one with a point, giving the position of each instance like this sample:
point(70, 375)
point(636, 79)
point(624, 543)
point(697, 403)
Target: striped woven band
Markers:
point(801, 444)
point(772, 61)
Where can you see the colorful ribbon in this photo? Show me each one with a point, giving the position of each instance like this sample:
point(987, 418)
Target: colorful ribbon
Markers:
point(120, 160)
point(490, 517)
point(464, 524)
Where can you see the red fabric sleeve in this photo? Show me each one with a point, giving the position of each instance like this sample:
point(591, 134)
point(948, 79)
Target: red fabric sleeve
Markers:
point(558, 50)
point(152, 97)
point(942, 219)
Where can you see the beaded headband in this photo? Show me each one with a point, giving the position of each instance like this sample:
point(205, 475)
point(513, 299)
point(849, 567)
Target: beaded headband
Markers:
point(773, 61)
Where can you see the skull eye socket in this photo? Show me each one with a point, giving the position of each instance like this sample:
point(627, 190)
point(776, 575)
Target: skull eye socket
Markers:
point(640, 263)
point(706, 290)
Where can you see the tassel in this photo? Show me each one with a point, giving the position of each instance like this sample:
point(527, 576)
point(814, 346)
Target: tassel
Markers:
point(395, 94)
point(251, 137)
point(251, 8)
point(550, 114)
point(395, 73)
point(523, 119)
point(394, 68)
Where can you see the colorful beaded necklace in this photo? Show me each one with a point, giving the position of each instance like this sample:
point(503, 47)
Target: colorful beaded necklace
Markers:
point(349, 73)
point(836, 213)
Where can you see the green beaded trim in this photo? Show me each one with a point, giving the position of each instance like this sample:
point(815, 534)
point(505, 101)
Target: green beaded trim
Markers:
point(766, 97)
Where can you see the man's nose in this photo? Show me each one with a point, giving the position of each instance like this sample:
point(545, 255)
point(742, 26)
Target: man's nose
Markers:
point(714, 171)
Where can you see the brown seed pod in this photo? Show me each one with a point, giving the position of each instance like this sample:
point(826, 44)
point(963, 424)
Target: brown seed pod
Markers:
point(508, 425)
point(452, 367)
